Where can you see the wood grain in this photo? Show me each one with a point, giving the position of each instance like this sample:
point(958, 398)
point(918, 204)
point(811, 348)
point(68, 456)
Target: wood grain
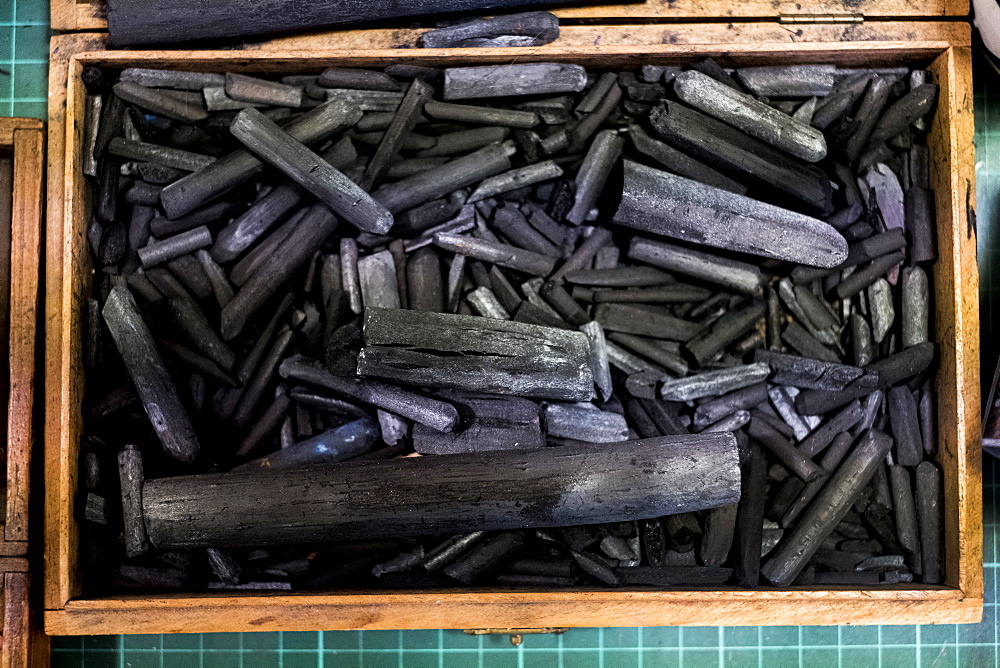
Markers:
point(956, 301)
point(620, 46)
point(481, 608)
point(26, 244)
point(23, 643)
point(66, 264)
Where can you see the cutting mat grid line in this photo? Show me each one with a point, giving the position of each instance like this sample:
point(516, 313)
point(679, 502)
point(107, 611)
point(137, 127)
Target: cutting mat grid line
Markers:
point(24, 36)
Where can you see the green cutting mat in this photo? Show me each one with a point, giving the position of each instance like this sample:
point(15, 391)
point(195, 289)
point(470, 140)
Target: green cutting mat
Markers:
point(23, 50)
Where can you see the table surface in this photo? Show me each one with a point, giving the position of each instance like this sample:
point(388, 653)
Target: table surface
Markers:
point(24, 35)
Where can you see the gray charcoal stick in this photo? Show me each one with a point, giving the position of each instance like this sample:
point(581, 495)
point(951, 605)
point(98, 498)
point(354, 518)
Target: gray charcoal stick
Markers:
point(275, 146)
point(435, 414)
point(930, 501)
point(750, 517)
point(803, 372)
point(444, 350)
point(604, 152)
point(660, 476)
point(733, 274)
point(750, 115)
point(681, 163)
point(526, 29)
point(316, 226)
point(645, 322)
point(742, 157)
point(149, 375)
point(402, 123)
point(132, 478)
point(447, 178)
point(186, 194)
point(907, 530)
point(660, 203)
point(713, 383)
point(827, 510)
point(492, 423)
point(484, 557)
point(467, 113)
point(508, 80)
point(903, 413)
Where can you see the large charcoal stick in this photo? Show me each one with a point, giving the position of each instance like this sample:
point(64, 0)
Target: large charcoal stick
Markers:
point(565, 486)
point(134, 22)
point(660, 203)
point(463, 352)
point(149, 376)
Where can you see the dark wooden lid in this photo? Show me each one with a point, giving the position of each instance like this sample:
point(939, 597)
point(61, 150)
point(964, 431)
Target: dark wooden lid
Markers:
point(90, 14)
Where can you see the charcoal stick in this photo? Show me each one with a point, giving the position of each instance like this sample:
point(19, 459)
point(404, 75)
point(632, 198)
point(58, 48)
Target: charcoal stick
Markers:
point(494, 490)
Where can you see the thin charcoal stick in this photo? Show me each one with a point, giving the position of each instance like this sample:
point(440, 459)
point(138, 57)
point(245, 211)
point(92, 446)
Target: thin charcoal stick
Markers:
point(831, 460)
point(827, 510)
point(930, 502)
point(156, 390)
point(775, 443)
point(317, 225)
point(449, 177)
point(749, 518)
point(406, 118)
point(733, 274)
point(435, 414)
point(132, 478)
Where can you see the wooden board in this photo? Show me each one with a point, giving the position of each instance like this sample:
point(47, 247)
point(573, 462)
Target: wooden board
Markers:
point(25, 138)
point(23, 643)
point(942, 46)
point(92, 14)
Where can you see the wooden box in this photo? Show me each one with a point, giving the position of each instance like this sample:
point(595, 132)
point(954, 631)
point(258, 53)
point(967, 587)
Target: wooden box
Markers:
point(941, 46)
point(22, 141)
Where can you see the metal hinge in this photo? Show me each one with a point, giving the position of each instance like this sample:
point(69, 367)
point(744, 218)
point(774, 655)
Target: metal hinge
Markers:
point(516, 635)
point(800, 19)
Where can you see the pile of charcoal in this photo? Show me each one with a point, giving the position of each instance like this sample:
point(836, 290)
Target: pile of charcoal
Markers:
point(522, 325)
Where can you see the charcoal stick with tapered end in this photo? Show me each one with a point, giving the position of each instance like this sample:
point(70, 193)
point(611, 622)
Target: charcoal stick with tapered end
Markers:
point(190, 192)
point(750, 115)
point(495, 490)
point(660, 203)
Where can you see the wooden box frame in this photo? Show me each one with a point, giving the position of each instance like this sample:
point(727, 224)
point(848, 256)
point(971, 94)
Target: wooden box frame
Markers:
point(944, 47)
point(21, 645)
